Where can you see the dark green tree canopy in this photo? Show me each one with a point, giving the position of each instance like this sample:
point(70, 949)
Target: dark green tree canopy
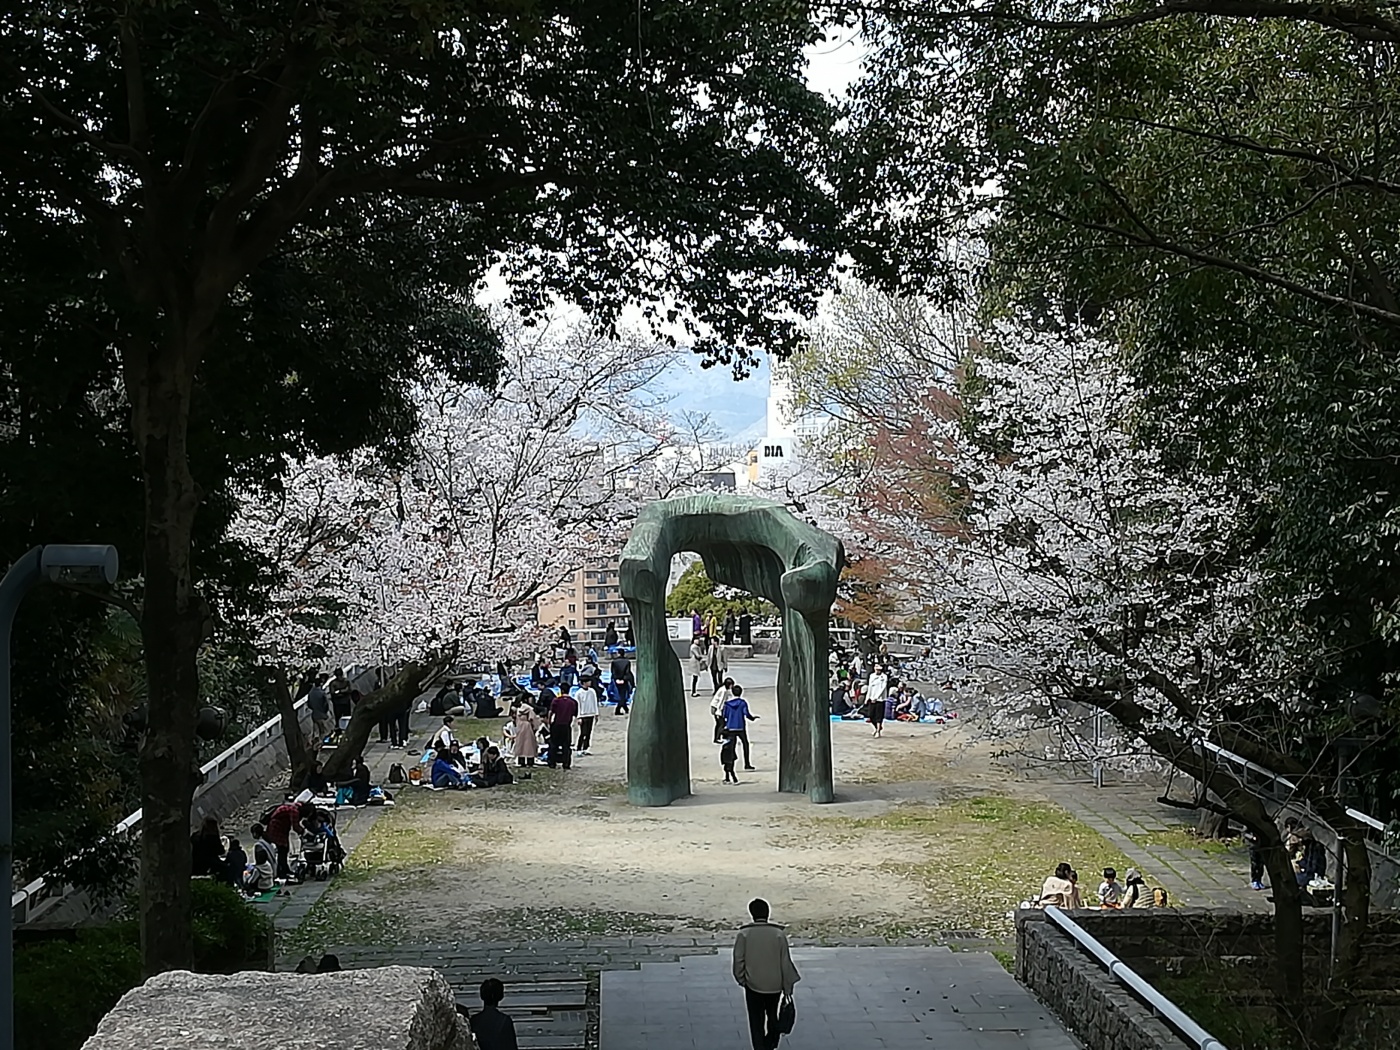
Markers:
point(665, 151)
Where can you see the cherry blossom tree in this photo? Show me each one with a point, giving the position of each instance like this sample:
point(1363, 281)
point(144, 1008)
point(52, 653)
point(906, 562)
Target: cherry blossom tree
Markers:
point(1075, 567)
point(440, 557)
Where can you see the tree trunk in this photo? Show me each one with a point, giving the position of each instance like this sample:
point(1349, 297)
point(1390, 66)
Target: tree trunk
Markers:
point(299, 751)
point(1211, 825)
point(172, 629)
point(404, 687)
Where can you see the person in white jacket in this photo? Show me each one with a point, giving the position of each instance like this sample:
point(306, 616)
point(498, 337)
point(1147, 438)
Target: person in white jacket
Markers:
point(722, 694)
point(763, 966)
point(699, 661)
point(587, 697)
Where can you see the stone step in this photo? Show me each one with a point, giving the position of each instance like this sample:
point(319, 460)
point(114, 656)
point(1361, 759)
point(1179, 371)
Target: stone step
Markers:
point(551, 1042)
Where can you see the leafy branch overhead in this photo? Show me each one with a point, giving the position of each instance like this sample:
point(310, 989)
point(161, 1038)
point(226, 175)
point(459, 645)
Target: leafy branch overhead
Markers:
point(694, 180)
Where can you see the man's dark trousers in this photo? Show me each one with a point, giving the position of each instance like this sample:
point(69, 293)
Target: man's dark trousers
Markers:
point(560, 750)
point(624, 697)
point(585, 732)
point(400, 726)
point(763, 1018)
point(743, 736)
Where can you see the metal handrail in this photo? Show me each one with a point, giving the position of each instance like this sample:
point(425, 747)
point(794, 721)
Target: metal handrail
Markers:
point(39, 896)
point(1290, 785)
point(1126, 975)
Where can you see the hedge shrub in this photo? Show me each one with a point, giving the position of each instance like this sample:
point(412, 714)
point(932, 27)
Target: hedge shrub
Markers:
point(63, 988)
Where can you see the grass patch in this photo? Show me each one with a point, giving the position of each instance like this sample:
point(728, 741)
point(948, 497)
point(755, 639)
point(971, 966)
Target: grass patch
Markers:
point(564, 924)
point(393, 847)
point(1183, 837)
point(837, 931)
point(330, 924)
point(983, 855)
point(1007, 959)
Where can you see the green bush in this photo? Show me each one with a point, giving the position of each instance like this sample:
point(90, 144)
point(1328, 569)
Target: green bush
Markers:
point(229, 935)
point(63, 988)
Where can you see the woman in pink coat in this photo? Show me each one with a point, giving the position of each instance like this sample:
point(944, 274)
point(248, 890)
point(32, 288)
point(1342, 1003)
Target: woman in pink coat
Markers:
point(527, 735)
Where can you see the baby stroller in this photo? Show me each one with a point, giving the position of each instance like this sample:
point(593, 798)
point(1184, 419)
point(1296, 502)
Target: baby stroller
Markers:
point(322, 855)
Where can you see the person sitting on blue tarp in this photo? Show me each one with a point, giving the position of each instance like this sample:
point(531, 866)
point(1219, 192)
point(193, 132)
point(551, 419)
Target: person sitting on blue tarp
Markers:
point(445, 774)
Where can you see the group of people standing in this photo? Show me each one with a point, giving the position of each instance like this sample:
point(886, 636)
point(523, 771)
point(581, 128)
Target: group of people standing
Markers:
point(732, 717)
point(733, 628)
point(707, 657)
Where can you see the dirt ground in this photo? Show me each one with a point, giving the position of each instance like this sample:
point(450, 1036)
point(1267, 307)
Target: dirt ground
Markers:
point(564, 854)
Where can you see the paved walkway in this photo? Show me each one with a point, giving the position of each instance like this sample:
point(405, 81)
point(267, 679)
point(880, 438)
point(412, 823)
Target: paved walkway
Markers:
point(872, 998)
point(1129, 815)
point(293, 902)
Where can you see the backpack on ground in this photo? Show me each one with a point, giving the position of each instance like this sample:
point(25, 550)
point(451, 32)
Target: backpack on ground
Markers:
point(397, 774)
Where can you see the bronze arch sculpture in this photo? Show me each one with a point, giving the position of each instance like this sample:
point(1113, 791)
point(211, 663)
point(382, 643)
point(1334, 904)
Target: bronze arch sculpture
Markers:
point(758, 546)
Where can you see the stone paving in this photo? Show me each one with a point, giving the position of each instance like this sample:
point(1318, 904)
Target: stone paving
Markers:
point(1129, 815)
point(294, 902)
point(872, 998)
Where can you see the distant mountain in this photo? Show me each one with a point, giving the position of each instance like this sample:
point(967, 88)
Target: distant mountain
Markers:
point(736, 409)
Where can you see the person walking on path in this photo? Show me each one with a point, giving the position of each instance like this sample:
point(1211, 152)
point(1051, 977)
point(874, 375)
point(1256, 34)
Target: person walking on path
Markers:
point(875, 699)
point(728, 629)
point(764, 969)
point(587, 700)
point(717, 702)
point(718, 663)
point(745, 628)
point(563, 709)
point(737, 716)
point(699, 660)
point(318, 701)
point(623, 682)
point(728, 754)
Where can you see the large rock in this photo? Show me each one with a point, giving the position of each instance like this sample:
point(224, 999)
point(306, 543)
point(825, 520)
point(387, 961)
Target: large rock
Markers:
point(390, 1008)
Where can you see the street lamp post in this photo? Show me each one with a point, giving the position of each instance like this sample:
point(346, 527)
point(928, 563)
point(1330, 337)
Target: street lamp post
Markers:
point(84, 563)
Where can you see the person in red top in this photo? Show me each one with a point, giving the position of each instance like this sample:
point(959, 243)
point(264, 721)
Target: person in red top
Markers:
point(284, 818)
point(563, 709)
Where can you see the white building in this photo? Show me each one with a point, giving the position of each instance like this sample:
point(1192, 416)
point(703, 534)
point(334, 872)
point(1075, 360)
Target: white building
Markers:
point(777, 456)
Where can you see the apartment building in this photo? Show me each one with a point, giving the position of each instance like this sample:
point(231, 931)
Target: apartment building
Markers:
point(587, 601)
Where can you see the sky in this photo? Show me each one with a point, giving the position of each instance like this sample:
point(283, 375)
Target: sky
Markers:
point(737, 409)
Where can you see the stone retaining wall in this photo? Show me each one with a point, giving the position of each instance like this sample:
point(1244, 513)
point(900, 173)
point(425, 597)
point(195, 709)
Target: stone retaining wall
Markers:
point(1095, 1007)
point(240, 786)
point(1164, 944)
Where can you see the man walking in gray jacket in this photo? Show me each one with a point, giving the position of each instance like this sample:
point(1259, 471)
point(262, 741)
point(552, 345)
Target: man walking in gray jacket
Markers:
point(763, 965)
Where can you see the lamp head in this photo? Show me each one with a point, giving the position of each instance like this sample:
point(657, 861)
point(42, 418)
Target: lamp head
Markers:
point(79, 562)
